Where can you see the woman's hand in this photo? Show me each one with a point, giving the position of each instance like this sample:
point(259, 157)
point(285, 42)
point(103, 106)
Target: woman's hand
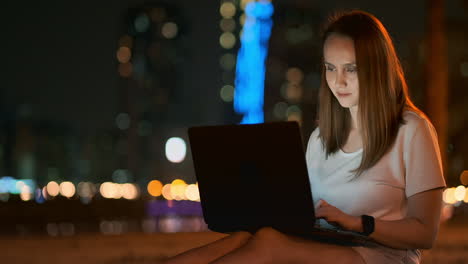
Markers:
point(336, 217)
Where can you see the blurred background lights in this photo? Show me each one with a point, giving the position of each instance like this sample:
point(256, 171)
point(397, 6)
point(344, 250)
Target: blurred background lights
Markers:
point(178, 189)
point(67, 189)
point(459, 193)
point(142, 23)
point(155, 188)
point(124, 54)
point(294, 75)
point(125, 69)
point(53, 188)
point(38, 196)
point(110, 190)
point(291, 91)
point(166, 192)
point(279, 110)
point(192, 192)
point(227, 24)
point(121, 176)
point(86, 189)
point(227, 10)
point(228, 61)
point(227, 40)
point(175, 149)
point(7, 184)
point(26, 193)
point(169, 30)
point(129, 191)
point(227, 93)
point(464, 177)
point(122, 121)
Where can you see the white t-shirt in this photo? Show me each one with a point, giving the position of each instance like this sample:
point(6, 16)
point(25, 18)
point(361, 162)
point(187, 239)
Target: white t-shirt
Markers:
point(412, 165)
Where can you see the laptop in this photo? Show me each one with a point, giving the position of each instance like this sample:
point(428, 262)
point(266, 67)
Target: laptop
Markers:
point(255, 175)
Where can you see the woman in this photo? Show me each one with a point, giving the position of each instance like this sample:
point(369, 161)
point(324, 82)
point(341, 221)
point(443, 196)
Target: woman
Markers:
point(374, 161)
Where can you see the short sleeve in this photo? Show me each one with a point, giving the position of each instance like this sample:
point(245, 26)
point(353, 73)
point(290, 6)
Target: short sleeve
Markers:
point(423, 164)
point(312, 141)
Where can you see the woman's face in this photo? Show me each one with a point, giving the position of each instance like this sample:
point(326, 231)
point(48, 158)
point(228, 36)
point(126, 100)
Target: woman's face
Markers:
point(341, 69)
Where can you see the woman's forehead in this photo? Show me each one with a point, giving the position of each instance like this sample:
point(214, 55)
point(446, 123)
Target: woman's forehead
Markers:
point(339, 50)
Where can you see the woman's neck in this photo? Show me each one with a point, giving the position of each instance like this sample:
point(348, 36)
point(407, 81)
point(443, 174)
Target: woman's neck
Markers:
point(353, 110)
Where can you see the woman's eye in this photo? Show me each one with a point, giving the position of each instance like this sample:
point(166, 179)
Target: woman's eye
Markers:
point(328, 68)
point(351, 70)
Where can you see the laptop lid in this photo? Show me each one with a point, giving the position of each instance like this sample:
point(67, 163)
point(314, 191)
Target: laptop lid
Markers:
point(251, 176)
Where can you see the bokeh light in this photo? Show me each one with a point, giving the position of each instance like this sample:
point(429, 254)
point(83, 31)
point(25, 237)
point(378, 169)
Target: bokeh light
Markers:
point(169, 30)
point(279, 110)
point(26, 193)
point(449, 196)
point(110, 190)
point(227, 40)
point(292, 91)
point(227, 10)
point(121, 176)
point(155, 188)
point(142, 23)
point(166, 192)
point(124, 54)
point(178, 187)
point(227, 93)
point(192, 193)
point(129, 191)
point(464, 177)
point(123, 121)
point(294, 75)
point(228, 61)
point(459, 193)
point(125, 69)
point(53, 188)
point(67, 189)
point(175, 149)
point(86, 190)
point(227, 24)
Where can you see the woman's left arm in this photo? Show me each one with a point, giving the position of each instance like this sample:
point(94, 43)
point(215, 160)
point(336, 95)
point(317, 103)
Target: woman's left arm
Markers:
point(417, 230)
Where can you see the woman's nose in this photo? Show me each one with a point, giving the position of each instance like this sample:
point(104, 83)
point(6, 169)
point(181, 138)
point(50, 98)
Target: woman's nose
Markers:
point(340, 80)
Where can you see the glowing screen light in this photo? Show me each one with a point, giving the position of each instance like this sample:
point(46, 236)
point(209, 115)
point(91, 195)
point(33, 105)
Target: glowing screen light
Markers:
point(175, 149)
point(250, 71)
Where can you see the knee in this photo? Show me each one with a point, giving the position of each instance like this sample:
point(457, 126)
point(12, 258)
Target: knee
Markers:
point(267, 237)
point(241, 237)
point(267, 234)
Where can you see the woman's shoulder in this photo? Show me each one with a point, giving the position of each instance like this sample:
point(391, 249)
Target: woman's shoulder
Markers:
point(414, 121)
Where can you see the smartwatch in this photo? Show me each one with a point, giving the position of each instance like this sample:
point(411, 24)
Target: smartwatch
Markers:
point(368, 225)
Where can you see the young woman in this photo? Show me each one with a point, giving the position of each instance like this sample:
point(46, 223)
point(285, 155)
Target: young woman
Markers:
point(374, 161)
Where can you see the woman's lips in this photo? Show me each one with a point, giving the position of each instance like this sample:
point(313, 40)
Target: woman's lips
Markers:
point(343, 94)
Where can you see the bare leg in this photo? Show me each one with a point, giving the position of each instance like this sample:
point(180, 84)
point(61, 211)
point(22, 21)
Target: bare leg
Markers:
point(271, 246)
point(212, 251)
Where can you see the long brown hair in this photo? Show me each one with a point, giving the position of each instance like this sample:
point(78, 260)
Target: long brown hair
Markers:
point(383, 93)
